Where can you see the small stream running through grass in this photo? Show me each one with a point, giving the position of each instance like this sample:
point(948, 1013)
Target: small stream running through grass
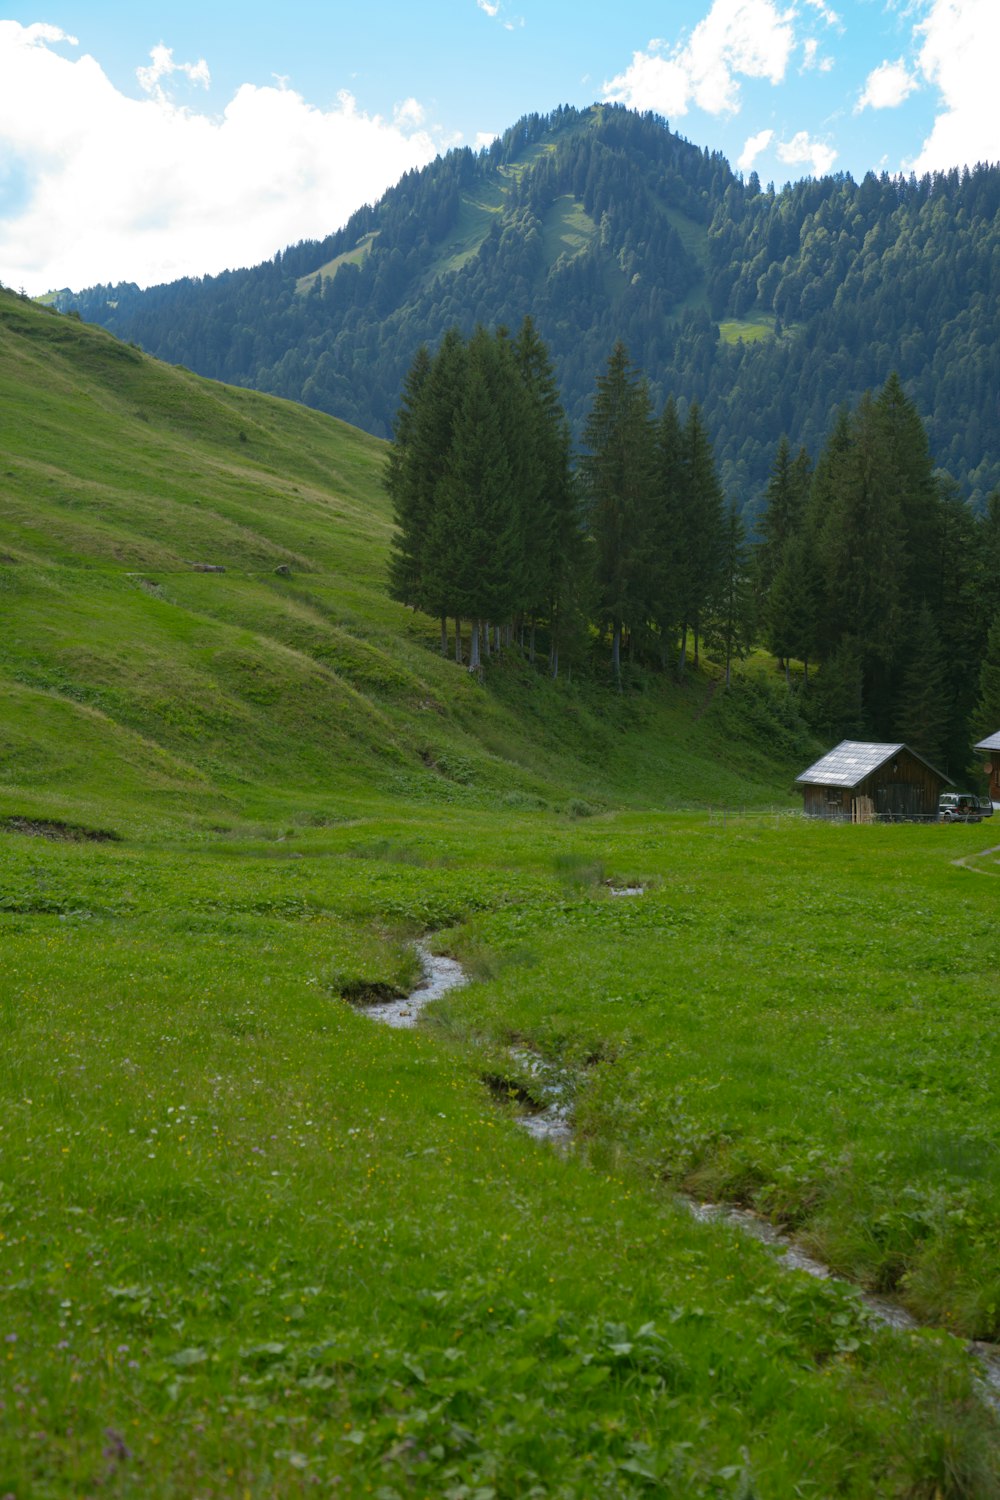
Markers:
point(551, 1120)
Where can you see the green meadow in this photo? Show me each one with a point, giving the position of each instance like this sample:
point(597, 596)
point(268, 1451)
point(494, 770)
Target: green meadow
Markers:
point(253, 1244)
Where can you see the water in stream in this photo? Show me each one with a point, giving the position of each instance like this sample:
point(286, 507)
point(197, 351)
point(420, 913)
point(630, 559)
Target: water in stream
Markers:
point(440, 976)
point(552, 1122)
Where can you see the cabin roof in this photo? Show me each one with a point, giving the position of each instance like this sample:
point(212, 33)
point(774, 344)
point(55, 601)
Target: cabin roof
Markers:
point(852, 760)
point(991, 742)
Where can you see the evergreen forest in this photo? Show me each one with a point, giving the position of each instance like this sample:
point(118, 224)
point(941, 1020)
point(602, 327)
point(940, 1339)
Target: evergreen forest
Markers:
point(769, 309)
point(869, 567)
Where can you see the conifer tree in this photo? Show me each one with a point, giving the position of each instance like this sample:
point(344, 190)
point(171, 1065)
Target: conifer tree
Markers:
point(552, 531)
point(700, 532)
point(865, 561)
point(731, 623)
point(792, 607)
point(619, 473)
point(667, 533)
point(785, 497)
point(835, 707)
point(830, 478)
point(957, 609)
point(923, 714)
point(473, 541)
point(905, 454)
point(406, 488)
point(987, 551)
point(987, 715)
point(416, 466)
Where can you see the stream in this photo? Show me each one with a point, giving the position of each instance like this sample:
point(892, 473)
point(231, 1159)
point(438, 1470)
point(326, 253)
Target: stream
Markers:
point(552, 1122)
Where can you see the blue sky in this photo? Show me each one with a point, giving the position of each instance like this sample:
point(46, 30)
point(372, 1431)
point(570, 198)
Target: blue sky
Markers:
point(144, 142)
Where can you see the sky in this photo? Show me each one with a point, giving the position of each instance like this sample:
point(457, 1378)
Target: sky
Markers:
point(147, 141)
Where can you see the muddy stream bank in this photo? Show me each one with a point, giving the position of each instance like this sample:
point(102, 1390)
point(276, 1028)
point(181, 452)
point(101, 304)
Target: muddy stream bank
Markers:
point(547, 1116)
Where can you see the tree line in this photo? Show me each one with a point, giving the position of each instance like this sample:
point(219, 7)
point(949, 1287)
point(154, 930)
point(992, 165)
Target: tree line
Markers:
point(869, 571)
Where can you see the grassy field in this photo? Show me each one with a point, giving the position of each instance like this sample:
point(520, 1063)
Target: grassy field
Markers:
point(252, 1244)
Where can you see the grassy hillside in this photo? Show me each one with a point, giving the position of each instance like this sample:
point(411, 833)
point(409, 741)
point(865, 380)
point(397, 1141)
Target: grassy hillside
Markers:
point(124, 667)
point(253, 1244)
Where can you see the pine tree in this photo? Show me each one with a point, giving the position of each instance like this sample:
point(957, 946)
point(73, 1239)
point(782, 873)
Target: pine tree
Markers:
point(923, 713)
point(792, 607)
point(667, 525)
point(785, 496)
point(700, 532)
point(834, 707)
point(405, 487)
point(416, 466)
point(552, 530)
point(865, 562)
point(957, 610)
point(619, 472)
point(473, 544)
point(906, 455)
point(987, 715)
point(732, 622)
point(830, 478)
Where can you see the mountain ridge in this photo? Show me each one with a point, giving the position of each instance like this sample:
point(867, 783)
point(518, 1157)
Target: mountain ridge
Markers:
point(771, 309)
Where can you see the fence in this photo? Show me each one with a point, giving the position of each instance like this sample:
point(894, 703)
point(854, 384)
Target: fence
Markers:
point(722, 817)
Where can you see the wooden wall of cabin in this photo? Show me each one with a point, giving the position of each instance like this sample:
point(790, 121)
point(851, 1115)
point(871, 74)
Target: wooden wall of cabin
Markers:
point(826, 802)
point(903, 788)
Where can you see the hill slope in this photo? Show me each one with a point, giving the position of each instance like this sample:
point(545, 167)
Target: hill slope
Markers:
point(127, 669)
point(771, 309)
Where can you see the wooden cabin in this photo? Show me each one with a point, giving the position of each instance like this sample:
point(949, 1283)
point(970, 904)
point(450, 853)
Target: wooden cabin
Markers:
point(860, 782)
point(990, 748)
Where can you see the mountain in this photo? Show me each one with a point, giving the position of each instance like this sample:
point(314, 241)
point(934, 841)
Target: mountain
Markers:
point(769, 308)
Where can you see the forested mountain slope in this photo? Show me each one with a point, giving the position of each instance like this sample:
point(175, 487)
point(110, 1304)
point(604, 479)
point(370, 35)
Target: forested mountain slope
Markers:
point(770, 309)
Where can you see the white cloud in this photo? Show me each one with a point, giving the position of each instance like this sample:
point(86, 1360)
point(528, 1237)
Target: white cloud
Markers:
point(489, 6)
point(960, 45)
point(886, 87)
point(409, 115)
point(656, 83)
point(826, 13)
point(738, 38)
point(802, 150)
point(117, 188)
point(754, 145)
point(811, 59)
point(163, 66)
point(40, 31)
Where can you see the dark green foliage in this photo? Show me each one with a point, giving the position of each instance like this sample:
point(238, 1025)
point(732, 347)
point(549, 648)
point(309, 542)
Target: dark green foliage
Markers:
point(731, 624)
point(987, 715)
point(487, 521)
point(667, 550)
point(835, 705)
point(474, 539)
point(794, 601)
point(408, 491)
point(924, 703)
point(960, 603)
point(700, 531)
point(785, 501)
point(619, 474)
